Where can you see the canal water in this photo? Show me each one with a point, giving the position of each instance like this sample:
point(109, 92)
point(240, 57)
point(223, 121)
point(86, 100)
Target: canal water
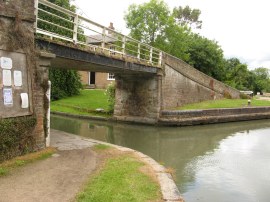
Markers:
point(213, 163)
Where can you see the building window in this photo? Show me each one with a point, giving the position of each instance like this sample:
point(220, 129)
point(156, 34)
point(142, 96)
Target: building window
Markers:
point(111, 76)
point(113, 49)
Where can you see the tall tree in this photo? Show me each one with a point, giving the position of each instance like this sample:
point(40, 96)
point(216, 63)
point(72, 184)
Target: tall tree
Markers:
point(262, 80)
point(207, 56)
point(148, 21)
point(187, 16)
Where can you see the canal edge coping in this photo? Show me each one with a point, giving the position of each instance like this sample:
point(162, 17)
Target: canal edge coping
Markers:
point(169, 190)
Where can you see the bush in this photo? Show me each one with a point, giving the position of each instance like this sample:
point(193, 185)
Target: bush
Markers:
point(65, 83)
point(110, 92)
point(16, 136)
point(244, 96)
point(227, 95)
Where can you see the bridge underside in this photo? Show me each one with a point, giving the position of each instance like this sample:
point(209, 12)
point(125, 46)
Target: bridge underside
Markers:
point(77, 58)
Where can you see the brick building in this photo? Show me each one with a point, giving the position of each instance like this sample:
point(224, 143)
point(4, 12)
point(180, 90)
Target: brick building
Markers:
point(96, 79)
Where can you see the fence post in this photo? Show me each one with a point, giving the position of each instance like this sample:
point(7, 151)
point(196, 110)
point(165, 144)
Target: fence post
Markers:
point(160, 59)
point(36, 14)
point(75, 29)
point(139, 51)
point(103, 37)
point(151, 55)
point(124, 45)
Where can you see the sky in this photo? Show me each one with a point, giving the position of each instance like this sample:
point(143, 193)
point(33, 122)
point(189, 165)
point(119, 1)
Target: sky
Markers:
point(241, 27)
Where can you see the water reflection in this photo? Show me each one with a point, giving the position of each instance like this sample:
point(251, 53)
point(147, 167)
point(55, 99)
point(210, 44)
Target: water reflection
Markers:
point(221, 162)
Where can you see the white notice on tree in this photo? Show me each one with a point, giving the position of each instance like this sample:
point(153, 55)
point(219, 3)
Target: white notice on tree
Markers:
point(17, 78)
point(6, 77)
point(8, 98)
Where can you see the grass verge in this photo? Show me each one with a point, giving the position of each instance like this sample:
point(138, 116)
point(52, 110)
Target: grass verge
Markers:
point(7, 166)
point(84, 104)
point(121, 179)
point(224, 103)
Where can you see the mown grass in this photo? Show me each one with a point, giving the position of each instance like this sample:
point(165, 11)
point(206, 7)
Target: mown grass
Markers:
point(120, 180)
point(84, 104)
point(224, 103)
point(102, 147)
point(7, 166)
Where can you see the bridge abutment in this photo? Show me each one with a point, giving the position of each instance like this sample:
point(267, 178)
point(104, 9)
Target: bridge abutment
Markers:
point(23, 81)
point(138, 98)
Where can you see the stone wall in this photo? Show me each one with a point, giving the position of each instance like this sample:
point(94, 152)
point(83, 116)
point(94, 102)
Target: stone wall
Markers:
point(183, 84)
point(195, 117)
point(17, 36)
point(138, 98)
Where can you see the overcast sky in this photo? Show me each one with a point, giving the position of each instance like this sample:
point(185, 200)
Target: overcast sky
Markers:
point(241, 27)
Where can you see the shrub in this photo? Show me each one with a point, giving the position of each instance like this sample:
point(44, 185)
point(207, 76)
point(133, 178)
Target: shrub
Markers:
point(110, 92)
point(244, 96)
point(227, 95)
point(65, 83)
point(16, 136)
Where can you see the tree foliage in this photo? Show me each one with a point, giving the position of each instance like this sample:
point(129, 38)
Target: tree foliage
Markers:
point(154, 23)
point(147, 22)
point(187, 16)
point(207, 56)
point(65, 83)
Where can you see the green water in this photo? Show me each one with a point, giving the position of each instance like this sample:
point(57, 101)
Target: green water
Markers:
point(213, 163)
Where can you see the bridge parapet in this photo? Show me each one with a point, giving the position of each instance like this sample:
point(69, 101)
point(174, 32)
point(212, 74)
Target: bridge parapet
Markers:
point(55, 22)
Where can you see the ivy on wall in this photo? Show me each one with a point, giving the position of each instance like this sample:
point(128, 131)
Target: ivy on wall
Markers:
point(16, 136)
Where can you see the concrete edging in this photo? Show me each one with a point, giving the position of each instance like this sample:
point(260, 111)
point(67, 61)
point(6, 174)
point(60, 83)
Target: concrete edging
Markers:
point(209, 116)
point(169, 190)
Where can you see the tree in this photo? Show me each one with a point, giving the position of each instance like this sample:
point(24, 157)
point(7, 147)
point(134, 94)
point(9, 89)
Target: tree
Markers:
point(64, 82)
point(262, 79)
point(207, 56)
point(147, 22)
point(187, 16)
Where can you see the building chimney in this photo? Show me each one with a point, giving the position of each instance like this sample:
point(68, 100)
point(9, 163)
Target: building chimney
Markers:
point(111, 27)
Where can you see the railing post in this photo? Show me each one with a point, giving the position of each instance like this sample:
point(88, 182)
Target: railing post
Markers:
point(151, 55)
point(75, 29)
point(124, 45)
point(36, 14)
point(139, 51)
point(103, 37)
point(160, 59)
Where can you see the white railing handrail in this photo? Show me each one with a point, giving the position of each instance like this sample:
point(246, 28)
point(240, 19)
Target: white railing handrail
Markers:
point(78, 26)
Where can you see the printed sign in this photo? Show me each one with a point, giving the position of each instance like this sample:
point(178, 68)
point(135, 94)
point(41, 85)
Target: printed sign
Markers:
point(17, 78)
point(8, 98)
point(6, 63)
point(6, 77)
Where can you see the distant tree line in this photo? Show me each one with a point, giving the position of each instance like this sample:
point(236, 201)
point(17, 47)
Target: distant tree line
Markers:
point(171, 31)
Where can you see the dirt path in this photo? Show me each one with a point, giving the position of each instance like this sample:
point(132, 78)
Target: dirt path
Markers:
point(264, 98)
point(58, 178)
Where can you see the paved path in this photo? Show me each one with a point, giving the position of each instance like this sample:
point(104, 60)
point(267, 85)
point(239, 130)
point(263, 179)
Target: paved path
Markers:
point(55, 179)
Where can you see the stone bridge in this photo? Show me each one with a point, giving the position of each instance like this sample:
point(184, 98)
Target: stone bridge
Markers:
point(147, 79)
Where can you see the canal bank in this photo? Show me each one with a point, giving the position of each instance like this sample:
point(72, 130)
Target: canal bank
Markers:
point(191, 117)
point(62, 176)
point(65, 141)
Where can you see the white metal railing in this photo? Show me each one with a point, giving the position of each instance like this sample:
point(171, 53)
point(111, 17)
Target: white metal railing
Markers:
point(58, 23)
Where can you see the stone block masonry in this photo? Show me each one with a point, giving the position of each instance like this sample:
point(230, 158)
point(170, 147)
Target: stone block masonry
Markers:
point(17, 37)
point(207, 116)
point(137, 98)
point(183, 84)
